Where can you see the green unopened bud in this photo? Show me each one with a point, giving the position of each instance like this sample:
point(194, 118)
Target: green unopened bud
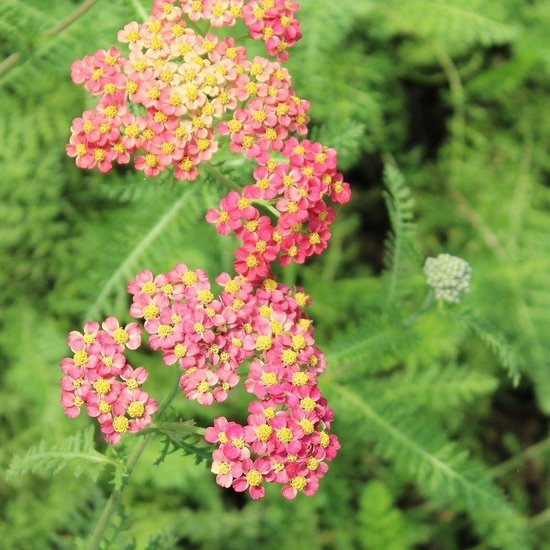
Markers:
point(449, 276)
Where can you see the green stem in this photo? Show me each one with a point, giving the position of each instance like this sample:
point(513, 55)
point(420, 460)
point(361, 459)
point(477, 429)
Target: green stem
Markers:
point(14, 58)
point(140, 10)
point(116, 495)
point(222, 178)
point(426, 305)
point(267, 205)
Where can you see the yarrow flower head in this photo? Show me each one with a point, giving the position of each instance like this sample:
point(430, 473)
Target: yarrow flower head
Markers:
point(209, 336)
point(167, 105)
point(449, 276)
point(179, 93)
point(98, 378)
point(160, 105)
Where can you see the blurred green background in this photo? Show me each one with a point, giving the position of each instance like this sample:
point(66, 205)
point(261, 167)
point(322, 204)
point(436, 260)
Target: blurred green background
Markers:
point(439, 449)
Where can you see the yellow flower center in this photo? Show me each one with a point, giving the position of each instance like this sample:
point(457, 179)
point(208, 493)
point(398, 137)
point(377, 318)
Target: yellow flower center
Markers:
point(151, 311)
point(264, 432)
point(307, 426)
point(165, 330)
point(300, 379)
point(167, 288)
point(312, 463)
point(254, 478)
point(189, 278)
point(104, 407)
point(224, 468)
point(263, 343)
point(265, 311)
point(80, 358)
point(268, 378)
point(203, 387)
point(120, 336)
point(252, 261)
point(298, 342)
point(136, 409)
point(180, 351)
point(102, 386)
point(308, 404)
point(299, 483)
point(284, 435)
point(151, 160)
point(120, 424)
point(205, 296)
point(238, 443)
point(288, 357)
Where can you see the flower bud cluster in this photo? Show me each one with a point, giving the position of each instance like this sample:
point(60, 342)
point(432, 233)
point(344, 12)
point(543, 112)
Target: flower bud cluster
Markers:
point(98, 376)
point(285, 440)
point(449, 276)
point(296, 190)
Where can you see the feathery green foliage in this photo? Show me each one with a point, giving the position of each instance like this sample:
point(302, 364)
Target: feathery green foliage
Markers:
point(77, 451)
point(428, 400)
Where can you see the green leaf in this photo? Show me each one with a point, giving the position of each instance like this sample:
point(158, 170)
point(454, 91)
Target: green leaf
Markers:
point(494, 340)
point(419, 450)
point(77, 452)
point(400, 249)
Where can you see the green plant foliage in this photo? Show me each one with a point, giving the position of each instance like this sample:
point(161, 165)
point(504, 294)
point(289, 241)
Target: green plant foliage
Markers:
point(382, 525)
point(439, 112)
point(77, 450)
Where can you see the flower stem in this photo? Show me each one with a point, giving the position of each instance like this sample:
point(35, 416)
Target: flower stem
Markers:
point(116, 495)
point(222, 178)
point(14, 58)
point(140, 10)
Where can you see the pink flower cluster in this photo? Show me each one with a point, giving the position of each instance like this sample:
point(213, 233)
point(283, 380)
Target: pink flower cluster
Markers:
point(161, 103)
point(210, 337)
point(273, 22)
point(296, 189)
point(98, 376)
point(166, 106)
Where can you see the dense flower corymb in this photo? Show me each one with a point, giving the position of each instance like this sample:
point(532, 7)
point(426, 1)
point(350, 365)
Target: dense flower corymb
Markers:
point(167, 105)
point(180, 93)
point(161, 104)
point(286, 438)
point(98, 377)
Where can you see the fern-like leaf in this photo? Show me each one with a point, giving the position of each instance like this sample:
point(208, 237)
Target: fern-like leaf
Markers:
point(77, 451)
point(369, 349)
point(399, 245)
point(420, 452)
point(494, 340)
point(460, 22)
point(433, 389)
